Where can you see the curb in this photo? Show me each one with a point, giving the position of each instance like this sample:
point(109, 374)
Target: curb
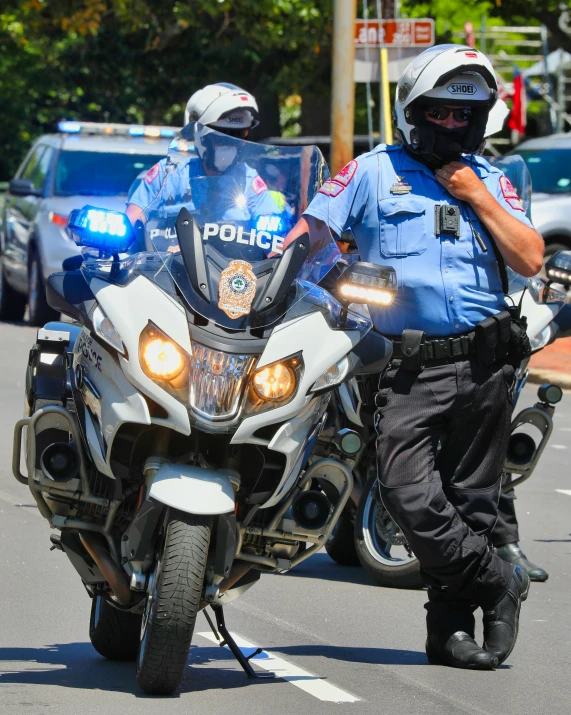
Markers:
point(538, 376)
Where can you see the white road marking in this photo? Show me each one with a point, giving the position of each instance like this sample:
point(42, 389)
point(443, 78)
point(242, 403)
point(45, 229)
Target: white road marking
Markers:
point(559, 446)
point(564, 491)
point(302, 679)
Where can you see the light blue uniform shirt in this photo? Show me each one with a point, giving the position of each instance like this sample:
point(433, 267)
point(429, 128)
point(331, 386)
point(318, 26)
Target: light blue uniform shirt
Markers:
point(445, 284)
point(144, 190)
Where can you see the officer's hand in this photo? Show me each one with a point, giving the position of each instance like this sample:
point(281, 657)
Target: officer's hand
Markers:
point(460, 180)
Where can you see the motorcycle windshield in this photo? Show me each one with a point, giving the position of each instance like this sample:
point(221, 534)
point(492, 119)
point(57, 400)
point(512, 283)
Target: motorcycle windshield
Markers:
point(221, 222)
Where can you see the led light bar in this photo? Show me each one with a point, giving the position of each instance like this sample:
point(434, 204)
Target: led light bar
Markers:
point(69, 127)
point(366, 295)
point(134, 130)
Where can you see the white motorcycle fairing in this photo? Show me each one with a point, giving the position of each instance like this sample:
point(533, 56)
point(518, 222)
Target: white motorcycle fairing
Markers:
point(193, 490)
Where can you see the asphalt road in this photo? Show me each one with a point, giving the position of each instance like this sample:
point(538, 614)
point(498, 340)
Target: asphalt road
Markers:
point(353, 641)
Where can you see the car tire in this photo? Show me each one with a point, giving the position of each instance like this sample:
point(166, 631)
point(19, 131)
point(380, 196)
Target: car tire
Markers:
point(39, 312)
point(12, 303)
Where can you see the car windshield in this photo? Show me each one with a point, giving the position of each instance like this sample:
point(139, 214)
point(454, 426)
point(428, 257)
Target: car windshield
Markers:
point(95, 173)
point(550, 169)
point(220, 221)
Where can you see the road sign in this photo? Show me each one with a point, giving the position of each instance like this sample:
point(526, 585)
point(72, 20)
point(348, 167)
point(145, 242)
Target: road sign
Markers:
point(395, 33)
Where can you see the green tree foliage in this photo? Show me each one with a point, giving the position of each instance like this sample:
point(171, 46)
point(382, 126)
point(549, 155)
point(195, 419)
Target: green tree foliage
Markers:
point(139, 60)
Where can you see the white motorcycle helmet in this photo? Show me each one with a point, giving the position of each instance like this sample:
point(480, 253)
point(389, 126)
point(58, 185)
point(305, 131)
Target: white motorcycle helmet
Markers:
point(445, 74)
point(223, 106)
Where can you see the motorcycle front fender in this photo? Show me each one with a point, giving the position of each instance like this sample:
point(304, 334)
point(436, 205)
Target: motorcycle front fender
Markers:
point(192, 489)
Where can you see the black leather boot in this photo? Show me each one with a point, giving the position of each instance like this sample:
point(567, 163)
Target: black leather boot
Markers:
point(513, 554)
point(502, 621)
point(450, 639)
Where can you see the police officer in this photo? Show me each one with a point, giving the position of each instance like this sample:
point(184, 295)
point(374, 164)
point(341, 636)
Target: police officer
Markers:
point(437, 214)
point(224, 107)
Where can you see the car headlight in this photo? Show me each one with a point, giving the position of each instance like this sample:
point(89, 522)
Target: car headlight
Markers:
point(161, 358)
point(275, 384)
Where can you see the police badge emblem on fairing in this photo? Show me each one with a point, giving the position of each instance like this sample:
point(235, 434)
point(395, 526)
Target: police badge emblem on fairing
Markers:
point(237, 289)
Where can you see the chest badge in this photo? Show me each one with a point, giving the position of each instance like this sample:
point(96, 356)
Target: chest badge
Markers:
point(237, 289)
point(401, 187)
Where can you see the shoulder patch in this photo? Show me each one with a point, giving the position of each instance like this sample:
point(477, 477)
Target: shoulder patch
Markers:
point(152, 173)
point(346, 174)
point(510, 194)
point(331, 188)
point(259, 185)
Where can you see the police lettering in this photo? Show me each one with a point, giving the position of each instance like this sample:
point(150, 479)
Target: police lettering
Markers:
point(229, 232)
point(462, 89)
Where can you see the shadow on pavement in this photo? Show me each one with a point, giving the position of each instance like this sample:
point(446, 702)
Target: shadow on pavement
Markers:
point(373, 656)
point(322, 566)
point(78, 665)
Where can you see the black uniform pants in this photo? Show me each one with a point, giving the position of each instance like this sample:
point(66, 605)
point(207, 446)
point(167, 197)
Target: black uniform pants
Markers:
point(506, 529)
point(442, 439)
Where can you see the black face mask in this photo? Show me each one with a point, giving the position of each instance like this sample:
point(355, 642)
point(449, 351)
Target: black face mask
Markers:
point(449, 143)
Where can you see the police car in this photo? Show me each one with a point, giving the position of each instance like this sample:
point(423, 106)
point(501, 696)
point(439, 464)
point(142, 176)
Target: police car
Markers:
point(84, 163)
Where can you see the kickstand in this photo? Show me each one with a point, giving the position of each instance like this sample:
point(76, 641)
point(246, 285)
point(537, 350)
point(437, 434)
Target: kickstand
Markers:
point(220, 629)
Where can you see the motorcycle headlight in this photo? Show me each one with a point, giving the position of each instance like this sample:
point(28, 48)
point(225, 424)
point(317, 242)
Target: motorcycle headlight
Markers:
point(275, 384)
point(161, 358)
point(106, 330)
point(544, 294)
point(333, 376)
point(217, 382)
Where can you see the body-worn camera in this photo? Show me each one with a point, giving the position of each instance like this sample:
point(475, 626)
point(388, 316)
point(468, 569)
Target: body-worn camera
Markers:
point(447, 220)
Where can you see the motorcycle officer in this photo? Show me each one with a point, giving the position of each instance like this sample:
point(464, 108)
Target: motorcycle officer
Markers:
point(446, 221)
point(224, 107)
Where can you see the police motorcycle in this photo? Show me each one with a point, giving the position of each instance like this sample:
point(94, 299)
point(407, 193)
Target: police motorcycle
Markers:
point(170, 426)
point(365, 534)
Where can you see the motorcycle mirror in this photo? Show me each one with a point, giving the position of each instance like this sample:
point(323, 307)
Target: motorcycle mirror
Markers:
point(367, 283)
point(558, 268)
point(72, 263)
point(109, 231)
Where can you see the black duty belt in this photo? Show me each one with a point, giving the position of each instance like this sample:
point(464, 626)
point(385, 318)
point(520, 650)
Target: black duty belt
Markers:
point(440, 348)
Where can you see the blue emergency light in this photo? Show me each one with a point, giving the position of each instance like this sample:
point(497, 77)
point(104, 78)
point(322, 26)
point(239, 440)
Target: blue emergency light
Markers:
point(269, 223)
point(109, 231)
point(69, 127)
point(137, 131)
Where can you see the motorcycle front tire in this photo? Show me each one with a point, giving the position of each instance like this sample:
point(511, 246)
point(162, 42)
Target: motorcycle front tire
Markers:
point(173, 603)
point(374, 554)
